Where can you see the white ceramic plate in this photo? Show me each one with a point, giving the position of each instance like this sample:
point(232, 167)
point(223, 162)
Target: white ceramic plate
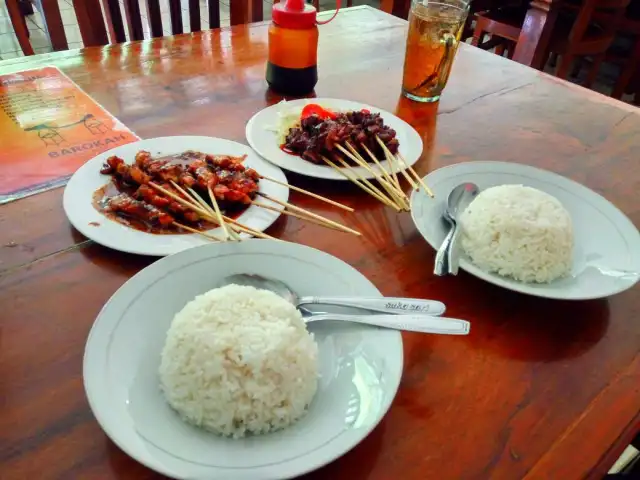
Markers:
point(265, 141)
point(94, 225)
point(360, 367)
point(607, 245)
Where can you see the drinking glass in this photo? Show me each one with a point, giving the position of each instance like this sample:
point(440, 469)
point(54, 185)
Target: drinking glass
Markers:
point(432, 42)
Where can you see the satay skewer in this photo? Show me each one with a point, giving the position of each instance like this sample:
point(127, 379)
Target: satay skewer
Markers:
point(249, 230)
point(199, 201)
point(386, 175)
point(310, 214)
point(381, 196)
point(205, 215)
point(306, 192)
point(211, 212)
point(355, 181)
point(391, 177)
point(356, 158)
point(396, 196)
point(396, 182)
point(415, 174)
point(215, 212)
point(199, 232)
point(216, 207)
point(297, 215)
point(391, 158)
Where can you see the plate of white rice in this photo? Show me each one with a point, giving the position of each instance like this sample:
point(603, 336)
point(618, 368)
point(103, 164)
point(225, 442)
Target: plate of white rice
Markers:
point(534, 231)
point(199, 379)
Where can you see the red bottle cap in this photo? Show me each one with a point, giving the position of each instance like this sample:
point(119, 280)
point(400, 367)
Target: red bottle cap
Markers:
point(295, 14)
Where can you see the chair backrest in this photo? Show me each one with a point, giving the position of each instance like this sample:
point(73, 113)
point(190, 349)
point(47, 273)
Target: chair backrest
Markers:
point(52, 17)
point(97, 30)
point(590, 10)
point(241, 11)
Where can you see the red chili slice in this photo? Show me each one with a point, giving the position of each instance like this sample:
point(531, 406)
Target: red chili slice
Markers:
point(314, 109)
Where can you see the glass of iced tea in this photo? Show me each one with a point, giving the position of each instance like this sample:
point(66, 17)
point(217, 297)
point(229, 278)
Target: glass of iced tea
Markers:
point(434, 33)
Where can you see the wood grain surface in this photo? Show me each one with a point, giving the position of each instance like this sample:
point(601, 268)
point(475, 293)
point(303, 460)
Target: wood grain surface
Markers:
point(541, 389)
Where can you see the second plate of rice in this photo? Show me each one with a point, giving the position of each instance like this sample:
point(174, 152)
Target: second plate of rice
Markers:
point(199, 379)
point(534, 231)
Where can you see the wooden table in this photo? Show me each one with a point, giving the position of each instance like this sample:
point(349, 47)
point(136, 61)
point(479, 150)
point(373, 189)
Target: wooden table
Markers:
point(540, 389)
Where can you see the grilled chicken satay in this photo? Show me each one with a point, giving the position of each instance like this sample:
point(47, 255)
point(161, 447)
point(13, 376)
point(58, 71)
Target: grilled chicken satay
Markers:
point(134, 175)
point(157, 199)
point(127, 205)
point(227, 177)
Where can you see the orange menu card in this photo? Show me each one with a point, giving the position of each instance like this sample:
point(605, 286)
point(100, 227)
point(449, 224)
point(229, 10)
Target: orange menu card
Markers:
point(49, 127)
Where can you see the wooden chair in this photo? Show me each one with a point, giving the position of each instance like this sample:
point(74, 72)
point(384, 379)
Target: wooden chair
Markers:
point(576, 33)
point(629, 78)
point(52, 18)
point(242, 11)
point(480, 7)
point(503, 25)
point(97, 30)
point(589, 35)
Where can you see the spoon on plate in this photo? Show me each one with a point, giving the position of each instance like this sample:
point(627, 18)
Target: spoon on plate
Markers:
point(393, 305)
point(458, 200)
point(401, 313)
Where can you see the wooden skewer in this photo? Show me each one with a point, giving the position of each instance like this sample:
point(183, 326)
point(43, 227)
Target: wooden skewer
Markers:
point(392, 180)
point(183, 192)
point(196, 208)
point(375, 160)
point(310, 214)
point(311, 194)
point(204, 214)
point(356, 174)
point(199, 232)
point(378, 194)
point(415, 174)
point(296, 215)
point(391, 169)
point(396, 196)
point(216, 207)
point(355, 157)
point(250, 231)
point(354, 180)
point(201, 201)
point(214, 213)
point(204, 204)
point(390, 159)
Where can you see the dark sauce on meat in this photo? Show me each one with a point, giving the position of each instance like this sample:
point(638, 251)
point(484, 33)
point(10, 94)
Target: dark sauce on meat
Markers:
point(116, 187)
point(317, 137)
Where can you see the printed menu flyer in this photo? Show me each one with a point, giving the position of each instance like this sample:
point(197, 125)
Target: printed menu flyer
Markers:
point(49, 128)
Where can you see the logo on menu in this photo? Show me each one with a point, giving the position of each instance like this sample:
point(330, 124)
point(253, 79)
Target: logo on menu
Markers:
point(107, 142)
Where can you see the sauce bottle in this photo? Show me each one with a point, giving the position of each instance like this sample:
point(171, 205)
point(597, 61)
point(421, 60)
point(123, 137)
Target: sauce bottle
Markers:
point(293, 47)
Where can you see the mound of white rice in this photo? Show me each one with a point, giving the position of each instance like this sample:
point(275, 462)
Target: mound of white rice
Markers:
point(239, 360)
point(519, 232)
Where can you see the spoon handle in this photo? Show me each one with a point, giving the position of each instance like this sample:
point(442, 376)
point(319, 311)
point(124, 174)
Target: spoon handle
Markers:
point(408, 323)
point(441, 267)
point(453, 257)
point(395, 305)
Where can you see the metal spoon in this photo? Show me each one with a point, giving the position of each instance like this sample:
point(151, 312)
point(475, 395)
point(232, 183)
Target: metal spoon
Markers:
point(414, 322)
point(392, 305)
point(459, 199)
point(408, 323)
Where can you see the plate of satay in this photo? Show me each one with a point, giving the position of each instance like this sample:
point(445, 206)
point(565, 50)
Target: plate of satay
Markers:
point(163, 195)
point(333, 139)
